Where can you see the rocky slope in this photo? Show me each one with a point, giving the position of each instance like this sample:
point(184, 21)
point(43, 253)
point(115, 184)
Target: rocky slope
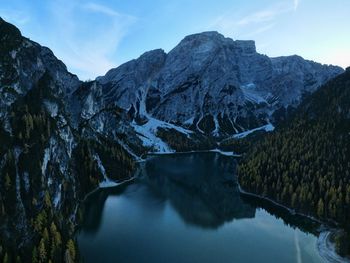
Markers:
point(212, 84)
point(48, 159)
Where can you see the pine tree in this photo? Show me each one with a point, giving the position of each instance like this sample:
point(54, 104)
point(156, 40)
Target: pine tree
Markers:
point(35, 255)
point(6, 258)
point(47, 200)
point(7, 182)
point(42, 251)
point(71, 249)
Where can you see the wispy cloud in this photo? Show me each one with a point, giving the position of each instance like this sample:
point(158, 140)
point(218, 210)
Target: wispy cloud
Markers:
point(254, 23)
point(101, 9)
point(296, 4)
point(259, 30)
point(259, 17)
point(88, 45)
point(270, 13)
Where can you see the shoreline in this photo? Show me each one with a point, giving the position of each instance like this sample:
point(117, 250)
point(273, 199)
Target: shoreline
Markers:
point(326, 248)
point(216, 150)
point(111, 184)
point(324, 244)
point(98, 188)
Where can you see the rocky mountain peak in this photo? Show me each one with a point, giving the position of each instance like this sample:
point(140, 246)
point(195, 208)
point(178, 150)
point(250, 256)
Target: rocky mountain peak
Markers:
point(10, 37)
point(203, 38)
point(9, 30)
point(209, 41)
point(212, 83)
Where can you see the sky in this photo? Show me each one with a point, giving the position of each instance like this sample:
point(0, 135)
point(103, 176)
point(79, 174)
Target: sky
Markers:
point(91, 37)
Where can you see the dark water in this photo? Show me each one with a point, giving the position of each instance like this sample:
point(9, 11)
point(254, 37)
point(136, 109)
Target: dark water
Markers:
point(187, 208)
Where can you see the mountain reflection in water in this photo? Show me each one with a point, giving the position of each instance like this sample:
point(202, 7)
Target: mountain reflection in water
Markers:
point(187, 208)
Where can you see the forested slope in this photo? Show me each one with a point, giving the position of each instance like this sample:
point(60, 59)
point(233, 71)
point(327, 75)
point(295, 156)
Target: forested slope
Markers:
point(306, 163)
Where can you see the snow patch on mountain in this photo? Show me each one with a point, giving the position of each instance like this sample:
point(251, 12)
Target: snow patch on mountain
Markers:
point(89, 108)
point(252, 94)
point(46, 159)
point(57, 199)
point(189, 121)
point(68, 138)
point(232, 154)
point(217, 126)
point(51, 107)
point(106, 181)
point(268, 128)
point(147, 134)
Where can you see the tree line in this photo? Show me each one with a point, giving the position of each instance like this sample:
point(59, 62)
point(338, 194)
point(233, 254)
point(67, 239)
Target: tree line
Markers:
point(306, 163)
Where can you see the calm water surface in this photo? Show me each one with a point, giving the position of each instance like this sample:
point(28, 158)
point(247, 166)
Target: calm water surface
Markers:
point(187, 208)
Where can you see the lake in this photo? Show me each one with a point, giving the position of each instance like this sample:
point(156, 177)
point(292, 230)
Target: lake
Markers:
point(187, 208)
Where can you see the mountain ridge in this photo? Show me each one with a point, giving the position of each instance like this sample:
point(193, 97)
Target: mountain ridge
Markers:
point(211, 84)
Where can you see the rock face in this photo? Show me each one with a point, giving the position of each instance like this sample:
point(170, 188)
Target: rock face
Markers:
point(50, 156)
point(25, 61)
point(212, 83)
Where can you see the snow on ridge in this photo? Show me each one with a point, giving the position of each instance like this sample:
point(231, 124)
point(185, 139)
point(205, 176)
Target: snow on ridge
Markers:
point(45, 161)
point(127, 148)
point(199, 129)
point(100, 166)
point(155, 123)
point(106, 182)
point(148, 131)
point(251, 94)
point(189, 121)
point(217, 126)
point(225, 153)
point(232, 154)
point(268, 128)
point(68, 138)
point(109, 184)
point(147, 134)
point(13, 54)
point(57, 198)
point(89, 108)
point(51, 107)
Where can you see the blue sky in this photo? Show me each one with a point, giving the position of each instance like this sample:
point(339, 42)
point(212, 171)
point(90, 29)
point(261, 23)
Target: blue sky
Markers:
point(94, 36)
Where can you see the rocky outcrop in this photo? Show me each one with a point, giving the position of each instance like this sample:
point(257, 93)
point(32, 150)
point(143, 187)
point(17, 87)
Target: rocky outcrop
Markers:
point(24, 62)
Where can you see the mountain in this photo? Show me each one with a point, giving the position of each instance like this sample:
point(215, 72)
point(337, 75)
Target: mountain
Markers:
point(61, 138)
point(305, 164)
point(48, 160)
point(208, 88)
point(212, 84)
